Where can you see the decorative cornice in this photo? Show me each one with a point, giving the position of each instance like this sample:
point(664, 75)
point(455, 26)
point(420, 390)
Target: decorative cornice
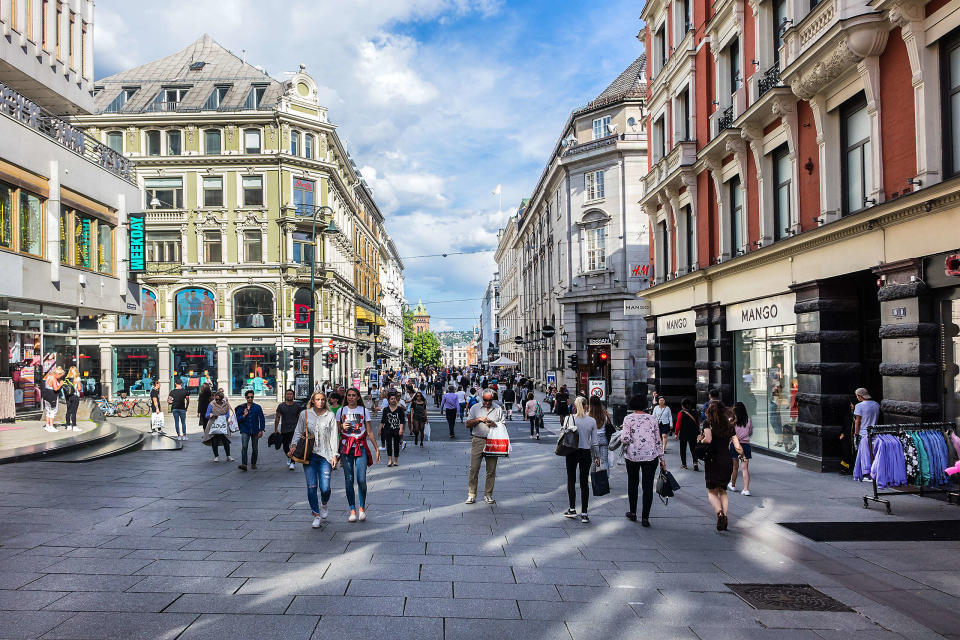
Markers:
point(853, 45)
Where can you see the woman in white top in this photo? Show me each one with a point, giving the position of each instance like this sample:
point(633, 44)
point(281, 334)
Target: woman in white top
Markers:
point(322, 425)
point(462, 401)
point(664, 418)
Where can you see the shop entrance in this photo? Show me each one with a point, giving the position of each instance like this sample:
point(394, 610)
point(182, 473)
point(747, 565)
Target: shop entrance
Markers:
point(950, 332)
point(676, 368)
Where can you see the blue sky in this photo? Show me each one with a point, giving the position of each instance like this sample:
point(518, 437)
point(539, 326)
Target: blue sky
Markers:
point(438, 101)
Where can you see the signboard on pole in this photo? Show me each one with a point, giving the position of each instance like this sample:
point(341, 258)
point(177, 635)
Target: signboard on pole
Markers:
point(597, 387)
point(301, 387)
point(374, 377)
point(551, 378)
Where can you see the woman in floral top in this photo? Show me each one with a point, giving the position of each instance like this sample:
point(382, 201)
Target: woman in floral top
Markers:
point(643, 450)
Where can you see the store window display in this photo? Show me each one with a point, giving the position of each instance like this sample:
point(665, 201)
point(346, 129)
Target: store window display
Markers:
point(253, 368)
point(147, 320)
point(135, 370)
point(194, 366)
point(253, 309)
point(766, 383)
point(194, 310)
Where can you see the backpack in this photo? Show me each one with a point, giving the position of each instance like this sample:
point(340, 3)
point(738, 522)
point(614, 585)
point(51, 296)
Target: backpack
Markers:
point(472, 400)
point(538, 412)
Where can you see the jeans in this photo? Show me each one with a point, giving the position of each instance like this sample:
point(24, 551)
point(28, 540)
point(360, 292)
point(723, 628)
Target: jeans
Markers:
point(217, 440)
point(73, 403)
point(245, 439)
point(355, 466)
point(463, 406)
point(180, 418)
point(649, 470)
point(684, 443)
point(534, 424)
point(579, 459)
point(476, 456)
point(317, 472)
point(451, 419)
point(391, 441)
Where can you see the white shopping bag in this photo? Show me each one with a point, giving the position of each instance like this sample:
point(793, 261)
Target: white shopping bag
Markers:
point(220, 426)
point(426, 431)
point(498, 441)
point(232, 422)
point(156, 421)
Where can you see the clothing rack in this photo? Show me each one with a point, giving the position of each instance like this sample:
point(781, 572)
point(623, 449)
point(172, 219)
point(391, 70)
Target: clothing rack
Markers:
point(920, 490)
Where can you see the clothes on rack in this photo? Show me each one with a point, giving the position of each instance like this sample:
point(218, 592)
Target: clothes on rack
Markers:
point(910, 456)
point(889, 466)
point(937, 453)
point(897, 457)
point(924, 478)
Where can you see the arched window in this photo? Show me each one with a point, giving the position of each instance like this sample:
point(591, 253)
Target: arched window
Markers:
point(253, 309)
point(147, 320)
point(301, 309)
point(194, 310)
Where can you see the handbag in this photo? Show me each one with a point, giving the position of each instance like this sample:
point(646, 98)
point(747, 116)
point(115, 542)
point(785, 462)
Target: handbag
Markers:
point(569, 440)
point(232, 422)
point(426, 431)
point(703, 451)
point(304, 448)
point(219, 427)
point(498, 442)
point(666, 485)
point(600, 482)
point(615, 442)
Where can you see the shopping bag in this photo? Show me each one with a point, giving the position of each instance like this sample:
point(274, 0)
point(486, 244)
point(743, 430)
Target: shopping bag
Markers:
point(498, 441)
point(600, 482)
point(220, 426)
point(426, 431)
point(232, 422)
point(156, 421)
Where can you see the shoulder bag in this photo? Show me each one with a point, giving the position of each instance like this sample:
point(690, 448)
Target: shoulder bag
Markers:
point(304, 448)
point(569, 440)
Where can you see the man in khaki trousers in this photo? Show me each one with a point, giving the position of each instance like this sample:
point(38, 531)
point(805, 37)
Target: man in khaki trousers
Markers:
point(482, 417)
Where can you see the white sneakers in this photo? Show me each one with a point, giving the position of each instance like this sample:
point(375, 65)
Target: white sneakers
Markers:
point(470, 500)
point(746, 492)
point(229, 458)
point(316, 523)
point(730, 487)
point(352, 518)
point(216, 458)
point(49, 428)
point(291, 466)
point(362, 516)
point(323, 512)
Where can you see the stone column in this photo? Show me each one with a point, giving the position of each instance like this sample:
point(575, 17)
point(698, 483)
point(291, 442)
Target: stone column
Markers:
point(653, 373)
point(163, 366)
point(714, 362)
point(223, 366)
point(828, 367)
point(910, 344)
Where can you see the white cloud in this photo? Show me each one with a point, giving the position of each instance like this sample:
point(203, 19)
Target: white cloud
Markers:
point(384, 69)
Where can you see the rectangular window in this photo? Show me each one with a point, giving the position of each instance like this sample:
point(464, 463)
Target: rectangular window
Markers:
point(44, 40)
point(212, 247)
point(83, 48)
point(104, 247)
point(254, 97)
point(295, 143)
point(303, 196)
point(660, 48)
point(950, 92)
point(659, 139)
point(308, 147)
point(856, 167)
point(733, 56)
point(65, 224)
point(115, 141)
point(163, 247)
point(164, 193)
point(691, 238)
point(782, 174)
point(58, 30)
point(211, 142)
point(153, 143)
point(683, 114)
point(6, 215)
point(596, 243)
point(216, 98)
point(251, 140)
point(662, 242)
point(31, 224)
point(173, 143)
point(779, 24)
point(70, 38)
point(83, 241)
point(213, 191)
point(252, 191)
point(594, 185)
point(302, 247)
point(600, 127)
point(738, 241)
point(252, 246)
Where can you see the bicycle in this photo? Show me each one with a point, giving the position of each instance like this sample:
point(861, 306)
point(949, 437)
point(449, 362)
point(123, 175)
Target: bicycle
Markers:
point(107, 408)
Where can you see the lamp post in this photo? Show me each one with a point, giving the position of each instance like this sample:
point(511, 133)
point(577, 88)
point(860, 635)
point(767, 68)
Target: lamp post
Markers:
point(331, 228)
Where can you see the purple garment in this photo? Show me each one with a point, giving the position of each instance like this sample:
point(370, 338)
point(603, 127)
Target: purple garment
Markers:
point(450, 401)
point(889, 467)
point(862, 467)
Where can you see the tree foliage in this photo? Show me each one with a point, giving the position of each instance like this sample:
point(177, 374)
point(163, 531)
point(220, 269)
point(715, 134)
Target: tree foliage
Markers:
point(426, 350)
point(408, 329)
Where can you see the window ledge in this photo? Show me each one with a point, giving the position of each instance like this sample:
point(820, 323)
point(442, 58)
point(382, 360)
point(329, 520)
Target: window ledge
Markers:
point(594, 201)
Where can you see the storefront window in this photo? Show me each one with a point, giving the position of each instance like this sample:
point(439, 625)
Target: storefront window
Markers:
point(31, 224)
point(147, 320)
point(194, 310)
point(253, 368)
point(89, 368)
point(135, 370)
point(104, 248)
point(60, 343)
point(65, 235)
point(83, 242)
point(253, 309)
point(766, 383)
point(24, 352)
point(194, 367)
point(6, 215)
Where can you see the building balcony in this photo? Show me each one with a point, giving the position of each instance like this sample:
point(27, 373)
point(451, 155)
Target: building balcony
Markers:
point(766, 93)
point(683, 154)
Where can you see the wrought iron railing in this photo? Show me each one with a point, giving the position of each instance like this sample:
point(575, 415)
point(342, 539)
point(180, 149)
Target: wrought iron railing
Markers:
point(770, 79)
point(726, 119)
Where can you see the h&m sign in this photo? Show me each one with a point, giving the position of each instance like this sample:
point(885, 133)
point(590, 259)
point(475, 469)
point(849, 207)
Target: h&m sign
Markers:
point(765, 312)
point(136, 240)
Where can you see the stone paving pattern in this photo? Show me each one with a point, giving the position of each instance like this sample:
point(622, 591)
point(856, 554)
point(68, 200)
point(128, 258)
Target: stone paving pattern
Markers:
point(165, 545)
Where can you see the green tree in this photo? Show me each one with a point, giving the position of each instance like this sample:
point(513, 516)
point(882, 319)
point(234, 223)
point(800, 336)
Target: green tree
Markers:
point(426, 350)
point(408, 329)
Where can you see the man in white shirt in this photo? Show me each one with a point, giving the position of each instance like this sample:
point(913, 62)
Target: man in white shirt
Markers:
point(483, 416)
point(865, 414)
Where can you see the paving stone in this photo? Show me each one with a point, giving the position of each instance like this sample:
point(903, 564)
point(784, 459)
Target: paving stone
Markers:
point(217, 603)
point(582, 593)
point(462, 608)
point(76, 582)
point(510, 591)
point(632, 630)
point(406, 588)
point(325, 605)
point(121, 626)
point(596, 610)
point(167, 554)
point(201, 568)
point(295, 585)
point(559, 576)
point(383, 558)
point(468, 573)
point(471, 629)
point(16, 580)
point(379, 571)
point(98, 566)
point(27, 600)
point(30, 624)
point(813, 620)
point(185, 584)
point(332, 626)
point(145, 542)
point(113, 601)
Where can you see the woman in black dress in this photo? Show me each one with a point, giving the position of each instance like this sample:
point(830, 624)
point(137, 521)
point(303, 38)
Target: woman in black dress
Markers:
point(203, 401)
point(687, 430)
point(718, 434)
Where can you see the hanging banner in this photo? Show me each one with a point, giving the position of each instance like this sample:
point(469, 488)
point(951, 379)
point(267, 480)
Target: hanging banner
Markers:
point(136, 242)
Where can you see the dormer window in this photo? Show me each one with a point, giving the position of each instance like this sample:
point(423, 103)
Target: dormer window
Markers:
point(122, 98)
point(197, 66)
point(217, 97)
point(255, 97)
point(169, 99)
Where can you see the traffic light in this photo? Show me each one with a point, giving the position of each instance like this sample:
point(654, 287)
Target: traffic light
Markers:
point(573, 361)
point(602, 358)
point(334, 357)
point(284, 359)
point(328, 359)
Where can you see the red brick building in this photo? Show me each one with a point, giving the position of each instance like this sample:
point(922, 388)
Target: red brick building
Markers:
point(803, 200)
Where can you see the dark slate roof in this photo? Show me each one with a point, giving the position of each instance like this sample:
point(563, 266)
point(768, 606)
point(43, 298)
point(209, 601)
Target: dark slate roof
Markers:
point(221, 67)
point(629, 84)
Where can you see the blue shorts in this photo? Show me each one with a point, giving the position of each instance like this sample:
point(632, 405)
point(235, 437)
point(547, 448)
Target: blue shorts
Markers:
point(665, 429)
point(746, 450)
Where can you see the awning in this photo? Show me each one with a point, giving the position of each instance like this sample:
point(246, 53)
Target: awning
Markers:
point(503, 361)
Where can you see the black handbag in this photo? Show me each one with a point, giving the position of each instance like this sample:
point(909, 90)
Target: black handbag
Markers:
point(569, 441)
point(304, 448)
point(600, 482)
point(703, 451)
point(666, 485)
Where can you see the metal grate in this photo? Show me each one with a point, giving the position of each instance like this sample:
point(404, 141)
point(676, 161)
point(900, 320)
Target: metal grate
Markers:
point(787, 597)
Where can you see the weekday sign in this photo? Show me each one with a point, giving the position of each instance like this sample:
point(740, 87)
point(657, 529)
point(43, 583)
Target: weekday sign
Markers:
point(136, 242)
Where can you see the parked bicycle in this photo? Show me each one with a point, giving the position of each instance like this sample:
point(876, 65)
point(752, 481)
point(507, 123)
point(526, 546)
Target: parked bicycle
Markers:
point(124, 407)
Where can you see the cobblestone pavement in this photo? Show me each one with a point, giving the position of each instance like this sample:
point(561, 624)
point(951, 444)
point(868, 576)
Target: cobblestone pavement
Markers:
point(164, 545)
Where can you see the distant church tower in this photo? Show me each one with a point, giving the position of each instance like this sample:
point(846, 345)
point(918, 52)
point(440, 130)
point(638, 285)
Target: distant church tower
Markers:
point(421, 319)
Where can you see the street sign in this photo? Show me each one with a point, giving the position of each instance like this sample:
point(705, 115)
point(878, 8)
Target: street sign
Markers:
point(356, 383)
point(330, 344)
point(374, 377)
point(301, 387)
point(597, 387)
point(548, 331)
point(518, 340)
point(551, 378)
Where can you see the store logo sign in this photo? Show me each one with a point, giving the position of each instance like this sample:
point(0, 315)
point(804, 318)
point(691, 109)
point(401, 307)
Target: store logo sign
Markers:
point(136, 241)
point(767, 312)
point(677, 324)
point(759, 313)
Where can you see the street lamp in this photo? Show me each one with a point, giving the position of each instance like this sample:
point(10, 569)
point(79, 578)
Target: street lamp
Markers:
point(612, 335)
point(331, 228)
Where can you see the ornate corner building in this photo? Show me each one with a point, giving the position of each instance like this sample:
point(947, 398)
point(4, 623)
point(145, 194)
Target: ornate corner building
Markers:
point(803, 197)
point(248, 196)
